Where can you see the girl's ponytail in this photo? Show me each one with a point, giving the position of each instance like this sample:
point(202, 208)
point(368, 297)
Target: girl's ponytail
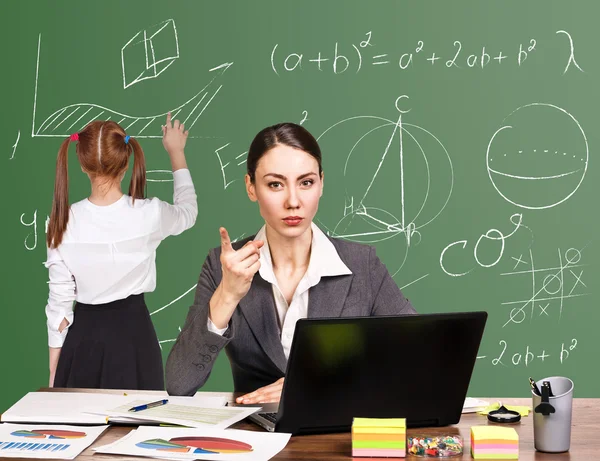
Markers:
point(137, 186)
point(59, 217)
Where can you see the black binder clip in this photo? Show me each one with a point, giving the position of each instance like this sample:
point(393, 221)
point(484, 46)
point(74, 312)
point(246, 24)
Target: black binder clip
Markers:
point(545, 407)
point(504, 415)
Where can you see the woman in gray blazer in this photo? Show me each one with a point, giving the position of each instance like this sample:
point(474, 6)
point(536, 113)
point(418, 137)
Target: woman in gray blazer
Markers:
point(251, 293)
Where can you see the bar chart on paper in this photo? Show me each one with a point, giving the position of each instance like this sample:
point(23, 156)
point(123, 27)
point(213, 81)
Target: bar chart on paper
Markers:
point(39, 442)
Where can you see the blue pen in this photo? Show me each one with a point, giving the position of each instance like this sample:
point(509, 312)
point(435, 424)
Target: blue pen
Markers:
point(158, 403)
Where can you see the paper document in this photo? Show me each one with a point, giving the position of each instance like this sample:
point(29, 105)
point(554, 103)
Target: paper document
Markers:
point(61, 407)
point(85, 408)
point(185, 413)
point(472, 405)
point(198, 443)
point(46, 441)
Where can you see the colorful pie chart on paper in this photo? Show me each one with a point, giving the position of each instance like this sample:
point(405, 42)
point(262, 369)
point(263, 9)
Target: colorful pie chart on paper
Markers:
point(49, 434)
point(214, 445)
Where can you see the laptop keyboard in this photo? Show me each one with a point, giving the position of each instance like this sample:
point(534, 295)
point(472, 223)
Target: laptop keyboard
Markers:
point(270, 416)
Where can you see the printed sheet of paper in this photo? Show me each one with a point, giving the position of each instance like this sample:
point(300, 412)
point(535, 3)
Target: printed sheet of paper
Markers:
point(62, 408)
point(472, 405)
point(198, 443)
point(47, 441)
point(86, 408)
point(185, 413)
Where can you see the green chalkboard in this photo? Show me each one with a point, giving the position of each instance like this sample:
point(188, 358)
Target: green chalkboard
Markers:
point(458, 138)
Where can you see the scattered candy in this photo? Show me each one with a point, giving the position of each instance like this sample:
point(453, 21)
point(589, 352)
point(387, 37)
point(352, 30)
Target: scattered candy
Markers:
point(435, 446)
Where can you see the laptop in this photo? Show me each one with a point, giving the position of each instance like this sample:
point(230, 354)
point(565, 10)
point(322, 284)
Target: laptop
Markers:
point(416, 367)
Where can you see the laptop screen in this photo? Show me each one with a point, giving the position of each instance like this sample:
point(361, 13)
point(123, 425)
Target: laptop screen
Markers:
point(416, 367)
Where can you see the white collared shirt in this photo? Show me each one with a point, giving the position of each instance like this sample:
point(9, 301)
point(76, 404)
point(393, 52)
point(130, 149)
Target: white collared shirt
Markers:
point(109, 252)
point(324, 262)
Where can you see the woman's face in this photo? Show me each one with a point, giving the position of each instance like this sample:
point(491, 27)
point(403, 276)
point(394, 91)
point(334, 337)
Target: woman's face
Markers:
point(287, 187)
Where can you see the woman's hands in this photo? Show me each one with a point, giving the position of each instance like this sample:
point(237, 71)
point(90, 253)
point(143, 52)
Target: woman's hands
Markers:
point(239, 267)
point(267, 394)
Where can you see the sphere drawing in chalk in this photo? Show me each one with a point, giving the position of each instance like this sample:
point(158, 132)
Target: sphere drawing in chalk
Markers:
point(397, 177)
point(539, 156)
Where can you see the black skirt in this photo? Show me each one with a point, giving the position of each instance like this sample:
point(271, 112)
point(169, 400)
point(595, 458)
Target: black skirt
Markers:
point(111, 346)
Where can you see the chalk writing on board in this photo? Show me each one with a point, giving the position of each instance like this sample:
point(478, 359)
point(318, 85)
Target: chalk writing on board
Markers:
point(75, 117)
point(414, 281)
point(492, 235)
point(172, 340)
point(33, 234)
point(528, 354)
point(174, 301)
point(159, 176)
point(304, 117)
point(339, 57)
point(15, 145)
point(572, 54)
point(238, 161)
point(380, 151)
point(142, 60)
point(550, 286)
point(539, 157)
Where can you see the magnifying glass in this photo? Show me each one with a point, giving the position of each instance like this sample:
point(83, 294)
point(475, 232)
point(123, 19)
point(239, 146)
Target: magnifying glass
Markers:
point(504, 415)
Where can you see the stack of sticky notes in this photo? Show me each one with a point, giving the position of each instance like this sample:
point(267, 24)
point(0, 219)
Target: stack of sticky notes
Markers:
point(379, 437)
point(494, 442)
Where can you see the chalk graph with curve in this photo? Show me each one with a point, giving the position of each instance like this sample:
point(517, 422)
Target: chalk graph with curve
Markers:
point(73, 117)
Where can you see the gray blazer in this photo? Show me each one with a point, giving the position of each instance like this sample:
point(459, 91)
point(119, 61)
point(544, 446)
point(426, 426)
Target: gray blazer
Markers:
point(252, 341)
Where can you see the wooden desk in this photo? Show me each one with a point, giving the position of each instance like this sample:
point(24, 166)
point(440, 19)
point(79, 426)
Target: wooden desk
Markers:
point(585, 436)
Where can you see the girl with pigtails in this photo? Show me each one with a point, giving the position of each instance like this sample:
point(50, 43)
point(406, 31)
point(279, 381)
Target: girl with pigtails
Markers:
point(101, 260)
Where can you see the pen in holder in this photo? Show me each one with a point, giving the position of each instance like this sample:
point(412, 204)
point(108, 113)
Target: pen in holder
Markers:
point(552, 411)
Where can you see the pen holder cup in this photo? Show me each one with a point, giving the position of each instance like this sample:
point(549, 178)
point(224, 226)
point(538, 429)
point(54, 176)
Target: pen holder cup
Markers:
point(552, 432)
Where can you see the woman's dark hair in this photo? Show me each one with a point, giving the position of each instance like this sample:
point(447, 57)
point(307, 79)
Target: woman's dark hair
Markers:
point(288, 134)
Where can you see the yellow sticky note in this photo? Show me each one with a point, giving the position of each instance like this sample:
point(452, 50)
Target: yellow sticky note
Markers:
point(522, 410)
point(379, 422)
point(494, 433)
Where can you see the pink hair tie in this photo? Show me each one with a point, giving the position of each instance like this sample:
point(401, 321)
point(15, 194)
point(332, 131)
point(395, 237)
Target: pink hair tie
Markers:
point(74, 137)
